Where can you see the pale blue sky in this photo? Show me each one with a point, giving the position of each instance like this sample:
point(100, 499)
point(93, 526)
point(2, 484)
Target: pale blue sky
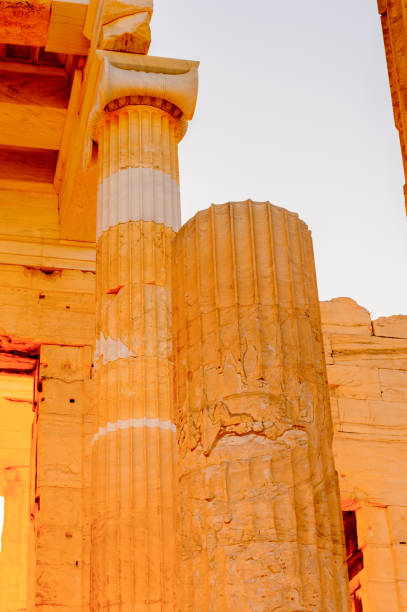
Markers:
point(294, 107)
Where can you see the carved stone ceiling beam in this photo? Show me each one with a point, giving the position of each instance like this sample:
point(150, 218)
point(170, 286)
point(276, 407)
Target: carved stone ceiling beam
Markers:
point(32, 108)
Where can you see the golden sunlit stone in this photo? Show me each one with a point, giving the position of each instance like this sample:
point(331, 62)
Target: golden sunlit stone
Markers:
point(178, 433)
point(24, 22)
point(394, 23)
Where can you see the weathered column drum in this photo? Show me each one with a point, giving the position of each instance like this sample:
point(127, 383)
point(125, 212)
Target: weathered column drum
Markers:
point(258, 510)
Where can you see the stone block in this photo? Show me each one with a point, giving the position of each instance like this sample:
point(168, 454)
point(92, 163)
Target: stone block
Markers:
point(379, 564)
point(402, 586)
point(373, 527)
point(58, 585)
point(60, 506)
point(382, 596)
point(24, 22)
point(59, 451)
point(129, 34)
point(391, 327)
point(370, 469)
point(344, 315)
point(375, 414)
point(398, 518)
point(374, 352)
point(62, 398)
point(114, 9)
point(353, 381)
point(13, 440)
point(65, 363)
point(60, 544)
point(400, 559)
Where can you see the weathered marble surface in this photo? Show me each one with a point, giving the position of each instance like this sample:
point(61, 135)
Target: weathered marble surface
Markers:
point(259, 522)
point(133, 557)
point(126, 26)
point(24, 22)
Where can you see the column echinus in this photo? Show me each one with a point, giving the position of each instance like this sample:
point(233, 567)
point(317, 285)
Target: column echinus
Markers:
point(259, 511)
point(144, 115)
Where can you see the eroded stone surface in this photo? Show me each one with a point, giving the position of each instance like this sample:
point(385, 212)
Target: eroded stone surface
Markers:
point(391, 327)
point(344, 316)
point(134, 443)
point(114, 9)
point(130, 34)
point(367, 378)
point(24, 22)
point(258, 512)
point(126, 26)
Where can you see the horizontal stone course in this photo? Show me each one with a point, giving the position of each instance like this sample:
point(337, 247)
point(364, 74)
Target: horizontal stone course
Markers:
point(367, 376)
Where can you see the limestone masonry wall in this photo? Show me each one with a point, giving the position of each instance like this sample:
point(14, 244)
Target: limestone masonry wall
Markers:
point(61, 516)
point(47, 306)
point(367, 375)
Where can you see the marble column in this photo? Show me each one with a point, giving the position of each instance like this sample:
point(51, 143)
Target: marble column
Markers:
point(259, 516)
point(134, 445)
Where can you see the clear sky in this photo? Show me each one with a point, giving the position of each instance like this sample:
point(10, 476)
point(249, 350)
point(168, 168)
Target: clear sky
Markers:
point(294, 107)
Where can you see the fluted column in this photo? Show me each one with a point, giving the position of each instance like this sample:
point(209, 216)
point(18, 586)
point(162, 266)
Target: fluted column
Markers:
point(133, 473)
point(259, 517)
point(139, 178)
point(134, 445)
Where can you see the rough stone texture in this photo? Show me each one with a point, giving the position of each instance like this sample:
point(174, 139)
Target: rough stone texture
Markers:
point(49, 305)
point(114, 9)
point(367, 377)
point(394, 23)
point(259, 520)
point(62, 432)
point(24, 22)
point(129, 34)
point(126, 26)
point(391, 327)
point(344, 316)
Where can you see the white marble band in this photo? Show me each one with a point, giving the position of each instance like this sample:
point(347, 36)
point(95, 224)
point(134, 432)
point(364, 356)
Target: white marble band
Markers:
point(122, 424)
point(111, 350)
point(138, 194)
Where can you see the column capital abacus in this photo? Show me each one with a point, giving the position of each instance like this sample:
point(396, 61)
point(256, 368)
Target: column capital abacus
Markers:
point(168, 84)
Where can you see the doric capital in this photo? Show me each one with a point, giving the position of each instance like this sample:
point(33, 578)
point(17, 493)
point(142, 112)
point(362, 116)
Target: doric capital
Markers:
point(179, 89)
point(136, 79)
